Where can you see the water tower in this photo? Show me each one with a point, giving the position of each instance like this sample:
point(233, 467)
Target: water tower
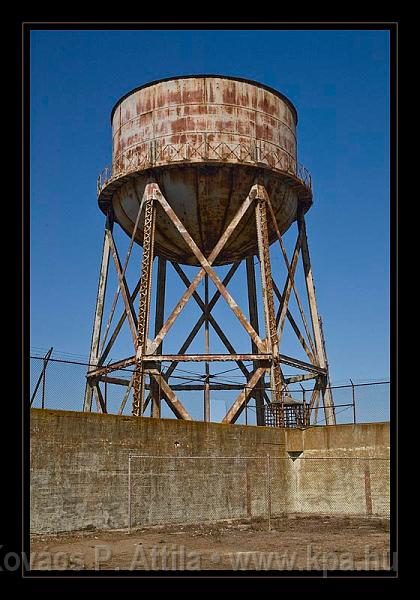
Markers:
point(205, 173)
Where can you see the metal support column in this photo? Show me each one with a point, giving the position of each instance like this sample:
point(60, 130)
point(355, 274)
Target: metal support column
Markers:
point(258, 392)
point(328, 402)
point(159, 320)
point(268, 295)
point(99, 311)
point(353, 398)
point(144, 306)
point(206, 350)
point(42, 378)
point(316, 326)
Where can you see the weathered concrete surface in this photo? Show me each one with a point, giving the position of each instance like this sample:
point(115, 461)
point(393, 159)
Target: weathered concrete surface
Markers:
point(363, 439)
point(79, 470)
point(351, 477)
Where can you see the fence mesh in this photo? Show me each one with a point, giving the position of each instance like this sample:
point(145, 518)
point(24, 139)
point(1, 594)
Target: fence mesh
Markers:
point(196, 489)
point(60, 384)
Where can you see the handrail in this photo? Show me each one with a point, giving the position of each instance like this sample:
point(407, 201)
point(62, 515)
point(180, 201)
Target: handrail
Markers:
point(260, 153)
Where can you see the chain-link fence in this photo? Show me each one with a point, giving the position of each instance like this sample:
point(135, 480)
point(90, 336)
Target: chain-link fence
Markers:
point(196, 489)
point(57, 383)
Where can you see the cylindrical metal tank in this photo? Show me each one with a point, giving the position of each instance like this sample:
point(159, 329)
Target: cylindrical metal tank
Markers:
point(204, 138)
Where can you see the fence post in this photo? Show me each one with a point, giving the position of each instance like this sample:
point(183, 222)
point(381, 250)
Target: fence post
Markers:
point(129, 493)
point(353, 401)
point(46, 359)
point(269, 492)
point(43, 386)
point(304, 404)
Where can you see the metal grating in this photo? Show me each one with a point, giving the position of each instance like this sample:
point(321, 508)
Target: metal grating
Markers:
point(277, 414)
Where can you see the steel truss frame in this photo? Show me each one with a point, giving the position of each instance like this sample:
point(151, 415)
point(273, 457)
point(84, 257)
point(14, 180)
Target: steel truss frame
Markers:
point(265, 356)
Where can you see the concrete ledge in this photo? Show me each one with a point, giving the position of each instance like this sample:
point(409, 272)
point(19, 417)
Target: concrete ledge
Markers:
point(361, 438)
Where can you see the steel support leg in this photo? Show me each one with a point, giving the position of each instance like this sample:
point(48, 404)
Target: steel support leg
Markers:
point(99, 311)
point(258, 392)
point(206, 349)
point(316, 326)
point(267, 292)
point(144, 307)
point(159, 320)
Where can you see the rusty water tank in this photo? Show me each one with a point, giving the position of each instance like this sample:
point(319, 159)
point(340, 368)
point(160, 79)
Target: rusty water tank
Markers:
point(204, 138)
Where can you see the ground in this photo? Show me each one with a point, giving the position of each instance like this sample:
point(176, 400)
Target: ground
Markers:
point(293, 542)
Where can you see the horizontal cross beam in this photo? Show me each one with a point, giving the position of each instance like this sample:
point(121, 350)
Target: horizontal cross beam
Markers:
point(287, 360)
point(206, 357)
point(195, 387)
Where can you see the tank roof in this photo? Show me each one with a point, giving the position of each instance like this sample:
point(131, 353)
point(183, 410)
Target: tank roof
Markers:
point(208, 76)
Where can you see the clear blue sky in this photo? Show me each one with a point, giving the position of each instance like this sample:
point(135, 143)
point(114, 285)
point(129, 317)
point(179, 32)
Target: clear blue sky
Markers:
point(339, 82)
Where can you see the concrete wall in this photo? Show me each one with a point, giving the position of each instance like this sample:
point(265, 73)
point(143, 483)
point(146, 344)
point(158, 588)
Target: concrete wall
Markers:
point(352, 475)
point(79, 470)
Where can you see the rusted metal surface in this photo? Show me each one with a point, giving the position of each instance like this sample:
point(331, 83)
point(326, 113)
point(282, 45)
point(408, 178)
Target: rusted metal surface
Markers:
point(314, 400)
point(206, 395)
point(116, 295)
point(302, 312)
point(212, 161)
point(213, 322)
point(99, 398)
point(263, 356)
point(328, 402)
point(267, 291)
point(115, 366)
point(288, 288)
point(209, 261)
point(174, 404)
point(126, 395)
point(212, 274)
point(253, 318)
point(289, 414)
point(206, 357)
point(156, 395)
point(298, 378)
point(200, 321)
point(204, 138)
point(293, 324)
point(237, 407)
point(104, 353)
point(144, 296)
point(129, 308)
point(114, 380)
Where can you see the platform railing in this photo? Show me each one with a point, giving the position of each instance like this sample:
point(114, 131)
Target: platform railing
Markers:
point(147, 155)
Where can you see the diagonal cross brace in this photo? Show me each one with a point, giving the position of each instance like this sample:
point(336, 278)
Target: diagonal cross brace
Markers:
point(201, 320)
point(129, 308)
point(127, 258)
point(118, 326)
point(294, 325)
point(211, 319)
point(286, 260)
point(288, 287)
point(206, 268)
point(236, 408)
point(170, 397)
